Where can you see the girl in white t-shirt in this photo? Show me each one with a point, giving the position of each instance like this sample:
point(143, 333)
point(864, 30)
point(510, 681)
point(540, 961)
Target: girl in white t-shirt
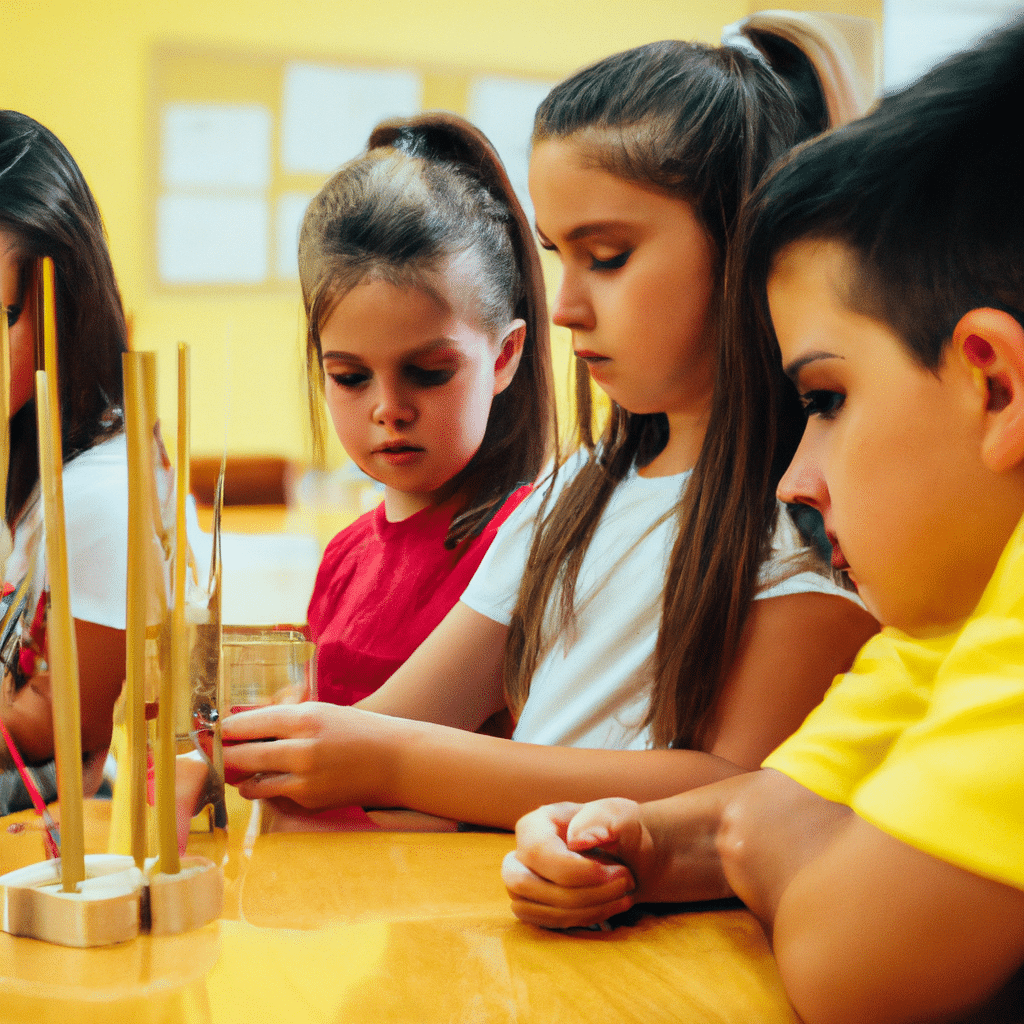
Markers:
point(47, 209)
point(645, 613)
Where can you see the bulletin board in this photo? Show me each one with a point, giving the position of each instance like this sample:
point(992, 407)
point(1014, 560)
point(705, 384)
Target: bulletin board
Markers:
point(239, 143)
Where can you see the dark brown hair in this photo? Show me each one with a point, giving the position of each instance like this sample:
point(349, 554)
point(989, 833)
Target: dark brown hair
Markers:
point(701, 124)
point(46, 205)
point(924, 194)
point(427, 189)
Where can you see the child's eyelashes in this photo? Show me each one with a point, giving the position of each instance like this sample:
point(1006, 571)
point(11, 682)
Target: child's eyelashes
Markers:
point(349, 381)
point(612, 262)
point(582, 255)
point(822, 403)
point(417, 376)
point(425, 378)
point(13, 313)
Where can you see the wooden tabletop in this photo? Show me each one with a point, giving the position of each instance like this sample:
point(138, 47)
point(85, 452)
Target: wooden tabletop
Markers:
point(372, 927)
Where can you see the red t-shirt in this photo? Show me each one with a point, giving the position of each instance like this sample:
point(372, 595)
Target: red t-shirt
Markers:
point(381, 589)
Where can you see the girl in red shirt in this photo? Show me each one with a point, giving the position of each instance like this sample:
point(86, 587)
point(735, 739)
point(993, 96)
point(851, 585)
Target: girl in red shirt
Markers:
point(428, 342)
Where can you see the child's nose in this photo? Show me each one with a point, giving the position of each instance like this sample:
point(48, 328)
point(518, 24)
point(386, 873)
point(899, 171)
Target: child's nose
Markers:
point(393, 407)
point(803, 483)
point(572, 308)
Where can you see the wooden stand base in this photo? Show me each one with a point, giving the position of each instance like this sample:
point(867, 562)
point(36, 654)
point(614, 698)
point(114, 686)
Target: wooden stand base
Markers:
point(185, 901)
point(114, 904)
point(105, 909)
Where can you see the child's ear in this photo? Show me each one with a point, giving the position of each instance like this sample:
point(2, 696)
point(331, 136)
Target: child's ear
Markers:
point(508, 358)
point(992, 344)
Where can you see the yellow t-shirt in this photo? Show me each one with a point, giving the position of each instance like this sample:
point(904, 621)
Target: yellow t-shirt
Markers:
point(925, 738)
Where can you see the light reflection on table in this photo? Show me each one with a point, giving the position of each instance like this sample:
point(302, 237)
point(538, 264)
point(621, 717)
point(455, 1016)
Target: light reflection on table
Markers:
point(379, 927)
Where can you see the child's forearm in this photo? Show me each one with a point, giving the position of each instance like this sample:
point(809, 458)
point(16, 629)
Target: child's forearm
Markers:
point(864, 927)
point(491, 781)
point(874, 929)
point(326, 756)
point(686, 862)
point(746, 835)
point(452, 678)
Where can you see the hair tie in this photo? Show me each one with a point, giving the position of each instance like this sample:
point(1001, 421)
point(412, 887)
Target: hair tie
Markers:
point(843, 51)
point(733, 38)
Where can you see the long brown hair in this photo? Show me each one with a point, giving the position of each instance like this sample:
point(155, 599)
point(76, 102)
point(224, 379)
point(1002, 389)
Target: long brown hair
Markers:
point(428, 188)
point(46, 205)
point(701, 124)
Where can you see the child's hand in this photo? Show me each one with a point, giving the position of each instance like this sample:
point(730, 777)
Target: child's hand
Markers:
point(576, 865)
point(319, 755)
point(663, 851)
point(190, 777)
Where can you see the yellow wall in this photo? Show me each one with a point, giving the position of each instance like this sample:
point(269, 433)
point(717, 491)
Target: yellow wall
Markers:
point(82, 69)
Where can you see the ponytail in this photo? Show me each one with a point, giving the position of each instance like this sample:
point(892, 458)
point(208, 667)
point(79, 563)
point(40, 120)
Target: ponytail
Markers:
point(427, 189)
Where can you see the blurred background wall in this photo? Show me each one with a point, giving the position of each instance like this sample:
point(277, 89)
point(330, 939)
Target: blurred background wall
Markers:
point(94, 74)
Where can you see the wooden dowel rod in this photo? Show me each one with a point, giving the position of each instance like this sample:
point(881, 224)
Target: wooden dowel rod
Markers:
point(140, 440)
point(174, 685)
point(62, 654)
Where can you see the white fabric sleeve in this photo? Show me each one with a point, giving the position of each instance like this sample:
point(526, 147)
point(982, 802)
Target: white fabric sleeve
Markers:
point(495, 585)
point(96, 514)
point(95, 487)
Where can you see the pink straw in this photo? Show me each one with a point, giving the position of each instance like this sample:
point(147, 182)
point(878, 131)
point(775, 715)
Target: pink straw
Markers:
point(51, 840)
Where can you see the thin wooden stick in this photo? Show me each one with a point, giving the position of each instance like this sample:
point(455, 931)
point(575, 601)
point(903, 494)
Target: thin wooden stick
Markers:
point(184, 564)
point(158, 619)
point(140, 442)
point(175, 683)
point(62, 653)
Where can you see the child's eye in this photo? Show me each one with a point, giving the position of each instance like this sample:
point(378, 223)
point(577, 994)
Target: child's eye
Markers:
point(353, 379)
point(824, 404)
point(13, 312)
point(613, 263)
point(425, 378)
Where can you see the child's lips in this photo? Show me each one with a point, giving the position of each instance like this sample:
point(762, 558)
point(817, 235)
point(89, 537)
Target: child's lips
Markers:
point(397, 446)
point(589, 356)
point(398, 453)
point(839, 562)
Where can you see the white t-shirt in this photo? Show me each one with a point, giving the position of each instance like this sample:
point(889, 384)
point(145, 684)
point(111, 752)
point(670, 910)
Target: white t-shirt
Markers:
point(592, 687)
point(95, 485)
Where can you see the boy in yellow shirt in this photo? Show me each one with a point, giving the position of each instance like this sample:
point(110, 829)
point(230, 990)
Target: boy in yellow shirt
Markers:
point(882, 845)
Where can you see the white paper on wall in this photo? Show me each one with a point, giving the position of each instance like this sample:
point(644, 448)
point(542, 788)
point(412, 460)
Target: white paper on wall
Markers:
point(209, 239)
point(219, 145)
point(329, 112)
point(920, 33)
point(503, 109)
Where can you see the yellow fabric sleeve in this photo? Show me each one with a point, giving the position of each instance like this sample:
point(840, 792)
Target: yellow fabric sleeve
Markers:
point(925, 738)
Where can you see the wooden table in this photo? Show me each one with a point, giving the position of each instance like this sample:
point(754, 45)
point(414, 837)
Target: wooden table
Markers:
point(364, 928)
